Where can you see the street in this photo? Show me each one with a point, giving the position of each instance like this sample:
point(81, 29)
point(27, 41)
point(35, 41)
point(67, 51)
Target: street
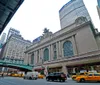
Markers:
point(21, 81)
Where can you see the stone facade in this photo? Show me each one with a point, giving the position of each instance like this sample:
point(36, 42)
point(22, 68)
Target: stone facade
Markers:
point(14, 49)
point(84, 46)
point(74, 48)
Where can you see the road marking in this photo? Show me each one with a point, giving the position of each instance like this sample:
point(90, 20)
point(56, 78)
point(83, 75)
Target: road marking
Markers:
point(3, 83)
point(7, 82)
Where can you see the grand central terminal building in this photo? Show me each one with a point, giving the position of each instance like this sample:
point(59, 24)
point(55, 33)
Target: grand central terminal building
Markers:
point(75, 47)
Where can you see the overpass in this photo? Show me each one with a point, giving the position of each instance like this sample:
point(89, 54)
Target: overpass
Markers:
point(7, 10)
point(21, 67)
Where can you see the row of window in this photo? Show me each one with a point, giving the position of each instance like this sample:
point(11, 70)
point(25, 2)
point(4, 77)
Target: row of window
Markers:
point(67, 51)
point(14, 61)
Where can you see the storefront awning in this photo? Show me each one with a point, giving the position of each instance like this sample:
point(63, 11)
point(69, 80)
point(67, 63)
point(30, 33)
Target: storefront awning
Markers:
point(38, 68)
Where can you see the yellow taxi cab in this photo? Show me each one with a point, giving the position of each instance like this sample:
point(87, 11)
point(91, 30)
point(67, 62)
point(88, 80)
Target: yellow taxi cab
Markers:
point(88, 77)
point(78, 74)
point(14, 74)
point(74, 75)
point(20, 75)
point(41, 76)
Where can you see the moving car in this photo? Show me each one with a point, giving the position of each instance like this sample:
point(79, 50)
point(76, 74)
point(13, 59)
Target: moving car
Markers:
point(16, 74)
point(40, 76)
point(31, 75)
point(74, 75)
point(78, 74)
point(56, 76)
point(88, 77)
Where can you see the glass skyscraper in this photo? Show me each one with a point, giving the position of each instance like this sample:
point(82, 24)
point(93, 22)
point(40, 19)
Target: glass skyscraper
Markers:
point(98, 8)
point(98, 3)
point(71, 11)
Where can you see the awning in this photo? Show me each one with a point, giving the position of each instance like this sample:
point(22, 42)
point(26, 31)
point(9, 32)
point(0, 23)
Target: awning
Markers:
point(38, 68)
point(55, 66)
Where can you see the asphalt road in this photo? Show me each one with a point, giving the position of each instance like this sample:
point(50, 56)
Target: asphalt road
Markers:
point(21, 81)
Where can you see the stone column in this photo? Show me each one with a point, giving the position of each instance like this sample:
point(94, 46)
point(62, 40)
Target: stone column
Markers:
point(75, 48)
point(29, 58)
point(25, 59)
point(52, 52)
point(64, 69)
point(35, 58)
point(46, 70)
point(57, 50)
point(73, 70)
point(49, 52)
point(60, 50)
point(39, 55)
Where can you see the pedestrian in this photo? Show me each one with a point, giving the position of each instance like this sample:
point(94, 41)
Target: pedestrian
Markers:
point(2, 75)
point(68, 75)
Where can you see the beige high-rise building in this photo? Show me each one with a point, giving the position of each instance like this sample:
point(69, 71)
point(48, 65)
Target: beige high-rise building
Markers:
point(74, 48)
point(14, 49)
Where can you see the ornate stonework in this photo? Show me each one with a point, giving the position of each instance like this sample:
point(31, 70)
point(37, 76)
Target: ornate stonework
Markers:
point(80, 20)
point(46, 33)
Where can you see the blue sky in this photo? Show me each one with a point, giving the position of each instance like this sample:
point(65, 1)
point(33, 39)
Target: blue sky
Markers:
point(34, 15)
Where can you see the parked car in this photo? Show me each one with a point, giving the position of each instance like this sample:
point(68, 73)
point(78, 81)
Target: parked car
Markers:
point(31, 75)
point(88, 77)
point(56, 76)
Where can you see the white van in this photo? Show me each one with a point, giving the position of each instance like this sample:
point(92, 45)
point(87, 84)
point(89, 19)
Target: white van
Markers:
point(31, 75)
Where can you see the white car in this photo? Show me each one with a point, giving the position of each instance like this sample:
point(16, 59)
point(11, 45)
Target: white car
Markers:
point(31, 75)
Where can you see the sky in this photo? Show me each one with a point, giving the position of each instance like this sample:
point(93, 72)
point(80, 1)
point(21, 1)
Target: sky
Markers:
point(35, 15)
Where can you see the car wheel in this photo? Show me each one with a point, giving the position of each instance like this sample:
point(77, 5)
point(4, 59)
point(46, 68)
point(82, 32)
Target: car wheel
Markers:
point(24, 78)
point(60, 80)
point(30, 78)
point(35, 78)
point(47, 79)
point(82, 80)
point(73, 78)
point(63, 80)
point(52, 79)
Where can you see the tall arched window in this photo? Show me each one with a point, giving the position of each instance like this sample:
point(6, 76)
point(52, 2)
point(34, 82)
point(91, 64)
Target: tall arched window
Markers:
point(68, 49)
point(32, 58)
point(46, 54)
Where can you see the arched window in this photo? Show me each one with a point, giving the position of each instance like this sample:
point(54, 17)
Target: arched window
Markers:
point(32, 58)
point(46, 54)
point(68, 49)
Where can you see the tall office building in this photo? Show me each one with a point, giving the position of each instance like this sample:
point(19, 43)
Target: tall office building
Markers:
point(2, 40)
point(15, 46)
point(71, 11)
point(12, 31)
point(14, 49)
point(98, 2)
point(98, 7)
